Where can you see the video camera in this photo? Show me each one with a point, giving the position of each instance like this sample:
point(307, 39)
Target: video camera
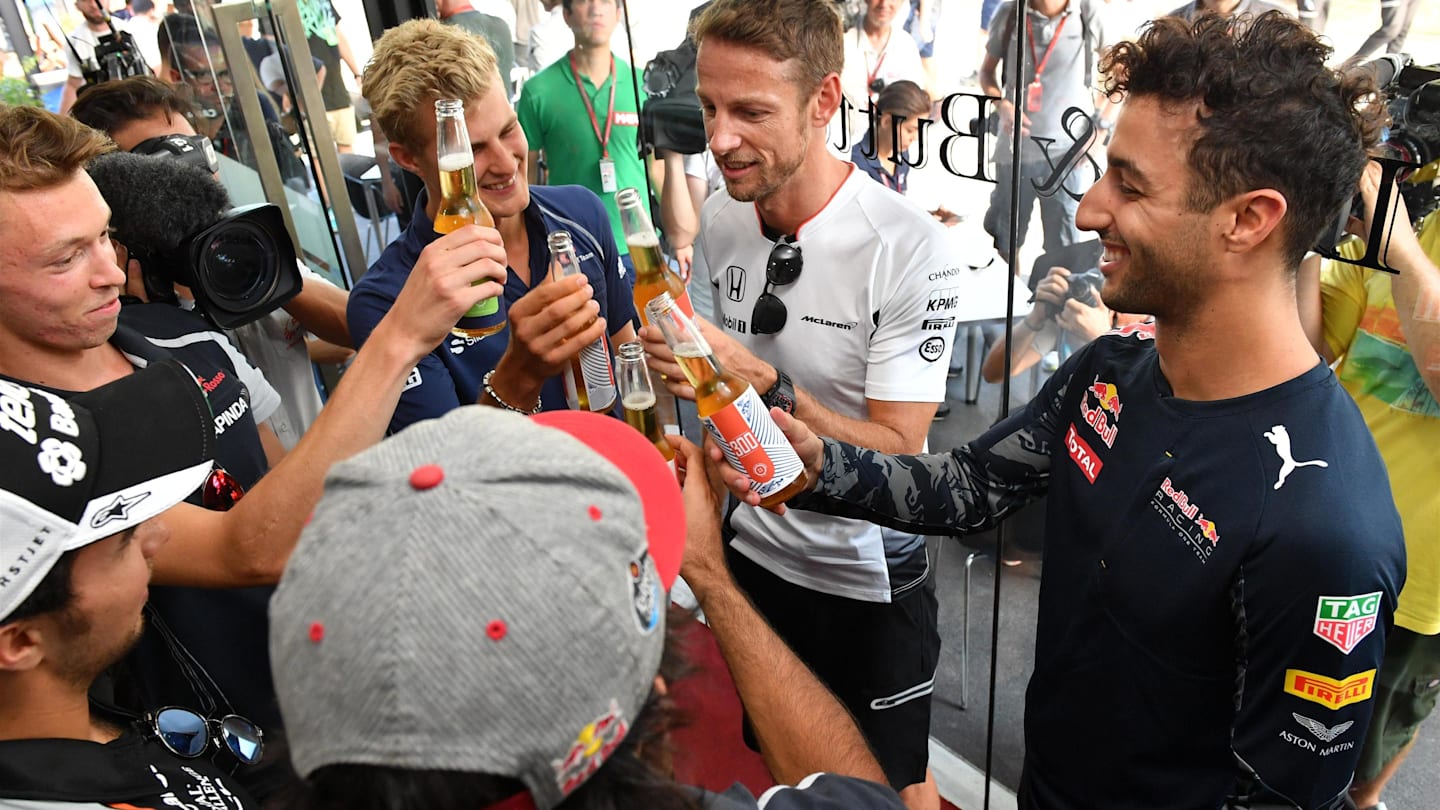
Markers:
point(240, 269)
point(176, 220)
point(1414, 133)
point(116, 57)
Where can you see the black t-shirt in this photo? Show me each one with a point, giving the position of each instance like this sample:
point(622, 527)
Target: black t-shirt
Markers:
point(133, 770)
point(225, 630)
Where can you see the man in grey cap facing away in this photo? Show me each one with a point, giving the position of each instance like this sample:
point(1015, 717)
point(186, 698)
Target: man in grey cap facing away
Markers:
point(453, 632)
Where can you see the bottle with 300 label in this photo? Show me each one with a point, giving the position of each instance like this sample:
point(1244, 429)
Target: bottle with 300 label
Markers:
point(731, 410)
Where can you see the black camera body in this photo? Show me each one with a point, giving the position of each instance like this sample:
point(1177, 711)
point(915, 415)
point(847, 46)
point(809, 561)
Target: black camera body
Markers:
point(116, 57)
point(239, 269)
point(671, 118)
point(1085, 286)
point(1414, 104)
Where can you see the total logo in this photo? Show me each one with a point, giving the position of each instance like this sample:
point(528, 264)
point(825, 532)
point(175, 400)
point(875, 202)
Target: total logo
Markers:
point(1104, 415)
point(1345, 621)
point(1186, 518)
point(1082, 454)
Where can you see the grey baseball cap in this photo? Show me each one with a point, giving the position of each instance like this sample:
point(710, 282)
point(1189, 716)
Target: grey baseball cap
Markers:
point(483, 593)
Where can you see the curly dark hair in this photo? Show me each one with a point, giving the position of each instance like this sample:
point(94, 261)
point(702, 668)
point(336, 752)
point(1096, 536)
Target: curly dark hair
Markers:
point(1272, 114)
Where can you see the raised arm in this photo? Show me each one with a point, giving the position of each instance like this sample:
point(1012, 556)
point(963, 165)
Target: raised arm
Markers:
point(250, 544)
point(801, 726)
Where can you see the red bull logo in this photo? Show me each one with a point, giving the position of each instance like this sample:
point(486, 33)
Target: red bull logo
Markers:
point(1104, 416)
point(1208, 531)
point(1107, 397)
point(1186, 518)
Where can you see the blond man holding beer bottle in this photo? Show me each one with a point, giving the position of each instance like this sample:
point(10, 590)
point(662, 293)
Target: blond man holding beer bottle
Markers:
point(520, 367)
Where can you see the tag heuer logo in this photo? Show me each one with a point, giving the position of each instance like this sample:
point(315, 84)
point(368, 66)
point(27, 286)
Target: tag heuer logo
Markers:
point(1345, 621)
point(1328, 692)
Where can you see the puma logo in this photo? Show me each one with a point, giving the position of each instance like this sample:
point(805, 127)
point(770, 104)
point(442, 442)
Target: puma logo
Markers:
point(1280, 437)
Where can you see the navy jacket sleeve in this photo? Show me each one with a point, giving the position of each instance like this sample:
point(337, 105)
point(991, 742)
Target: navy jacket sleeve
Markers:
point(429, 391)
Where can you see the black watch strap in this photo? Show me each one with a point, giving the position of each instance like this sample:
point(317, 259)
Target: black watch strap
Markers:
point(782, 394)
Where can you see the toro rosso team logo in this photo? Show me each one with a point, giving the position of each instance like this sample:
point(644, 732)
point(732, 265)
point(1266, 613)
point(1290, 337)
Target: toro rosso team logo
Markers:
point(1345, 621)
point(593, 745)
point(1104, 415)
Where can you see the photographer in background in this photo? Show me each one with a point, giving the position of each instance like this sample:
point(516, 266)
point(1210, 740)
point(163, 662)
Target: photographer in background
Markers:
point(1385, 331)
point(148, 116)
point(80, 47)
point(1067, 308)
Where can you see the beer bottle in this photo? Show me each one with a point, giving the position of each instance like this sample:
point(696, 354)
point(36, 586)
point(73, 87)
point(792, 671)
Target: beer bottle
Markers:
point(637, 397)
point(731, 410)
point(652, 275)
point(589, 380)
point(460, 205)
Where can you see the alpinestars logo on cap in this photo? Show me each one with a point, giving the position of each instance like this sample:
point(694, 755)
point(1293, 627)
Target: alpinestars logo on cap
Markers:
point(119, 509)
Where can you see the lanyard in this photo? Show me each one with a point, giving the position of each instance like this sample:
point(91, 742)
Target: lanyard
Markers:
point(1042, 61)
point(872, 74)
point(590, 108)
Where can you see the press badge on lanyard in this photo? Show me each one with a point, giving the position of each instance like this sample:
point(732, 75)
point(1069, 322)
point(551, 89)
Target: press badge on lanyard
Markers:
point(608, 183)
point(607, 176)
point(1034, 92)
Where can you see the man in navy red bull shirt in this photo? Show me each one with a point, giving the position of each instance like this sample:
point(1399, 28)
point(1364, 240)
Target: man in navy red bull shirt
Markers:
point(1223, 553)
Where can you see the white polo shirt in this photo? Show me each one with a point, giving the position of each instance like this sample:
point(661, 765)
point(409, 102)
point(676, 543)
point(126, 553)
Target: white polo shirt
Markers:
point(870, 317)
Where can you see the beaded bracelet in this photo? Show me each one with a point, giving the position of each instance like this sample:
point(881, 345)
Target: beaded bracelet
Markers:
point(485, 383)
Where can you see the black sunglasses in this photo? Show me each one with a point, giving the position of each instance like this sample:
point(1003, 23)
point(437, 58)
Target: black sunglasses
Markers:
point(782, 268)
point(189, 734)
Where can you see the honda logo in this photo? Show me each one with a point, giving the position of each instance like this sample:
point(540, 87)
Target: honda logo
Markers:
point(735, 283)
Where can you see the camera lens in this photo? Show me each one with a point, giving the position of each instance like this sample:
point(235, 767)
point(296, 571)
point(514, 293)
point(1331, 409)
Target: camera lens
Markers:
point(239, 264)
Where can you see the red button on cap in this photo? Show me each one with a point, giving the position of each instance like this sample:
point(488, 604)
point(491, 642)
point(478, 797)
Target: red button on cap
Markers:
point(427, 476)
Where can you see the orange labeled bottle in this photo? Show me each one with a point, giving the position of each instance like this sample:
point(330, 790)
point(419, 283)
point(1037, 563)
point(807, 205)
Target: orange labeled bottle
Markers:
point(652, 275)
point(460, 205)
point(732, 412)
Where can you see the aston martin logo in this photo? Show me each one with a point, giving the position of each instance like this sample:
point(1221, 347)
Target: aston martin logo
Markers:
point(1319, 729)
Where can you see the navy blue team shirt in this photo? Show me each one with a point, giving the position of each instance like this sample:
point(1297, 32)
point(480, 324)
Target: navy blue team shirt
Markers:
point(450, 376)
point(1219, 578)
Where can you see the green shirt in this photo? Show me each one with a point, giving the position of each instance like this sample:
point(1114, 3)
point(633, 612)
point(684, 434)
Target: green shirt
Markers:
point(556, 122)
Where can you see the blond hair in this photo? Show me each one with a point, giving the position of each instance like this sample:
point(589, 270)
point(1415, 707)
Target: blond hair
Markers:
point(807, 31)
point(418, 62)
point(39, 149)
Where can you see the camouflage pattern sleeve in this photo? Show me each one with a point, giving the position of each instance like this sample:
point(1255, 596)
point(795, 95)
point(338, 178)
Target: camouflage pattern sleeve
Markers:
point(966, 490)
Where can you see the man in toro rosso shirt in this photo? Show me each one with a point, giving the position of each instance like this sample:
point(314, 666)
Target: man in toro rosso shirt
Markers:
point(1222, 554)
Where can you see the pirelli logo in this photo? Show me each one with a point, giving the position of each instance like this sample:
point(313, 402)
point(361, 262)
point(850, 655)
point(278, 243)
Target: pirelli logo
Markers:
point(1330, 693)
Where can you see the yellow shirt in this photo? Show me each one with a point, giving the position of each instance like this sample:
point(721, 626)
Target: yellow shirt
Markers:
point(1363, 329)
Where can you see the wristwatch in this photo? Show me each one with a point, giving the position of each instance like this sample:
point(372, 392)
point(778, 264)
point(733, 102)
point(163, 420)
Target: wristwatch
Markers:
point(782, 394)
